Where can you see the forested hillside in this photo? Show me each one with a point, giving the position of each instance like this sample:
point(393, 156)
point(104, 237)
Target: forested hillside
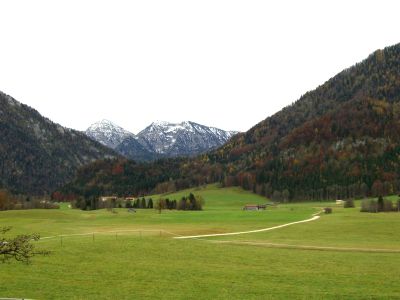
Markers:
point(340, 140)
point(37, 155)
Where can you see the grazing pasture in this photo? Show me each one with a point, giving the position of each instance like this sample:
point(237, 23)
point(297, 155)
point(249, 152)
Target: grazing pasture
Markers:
point(134, 255)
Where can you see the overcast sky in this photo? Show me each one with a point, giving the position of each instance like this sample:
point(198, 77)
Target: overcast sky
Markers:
point(228, 64)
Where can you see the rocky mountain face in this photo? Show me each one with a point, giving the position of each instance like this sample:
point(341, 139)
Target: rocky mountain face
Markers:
point(182, 139)
point(37, 155)
point(160, 139)
point(108, 133)
point(131, 148)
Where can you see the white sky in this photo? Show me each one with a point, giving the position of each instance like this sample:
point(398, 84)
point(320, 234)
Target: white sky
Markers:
point(228, 64)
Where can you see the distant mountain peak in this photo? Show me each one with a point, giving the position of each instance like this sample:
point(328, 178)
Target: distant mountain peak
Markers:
point(108, 133)
point(104, 122)
point(160, 123)
point(186, 138)
point(160, 138)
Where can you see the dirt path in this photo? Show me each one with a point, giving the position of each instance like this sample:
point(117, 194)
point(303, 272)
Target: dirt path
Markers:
point(315, 217)
point(284, 246)
point(177, 236)
point(248, 243)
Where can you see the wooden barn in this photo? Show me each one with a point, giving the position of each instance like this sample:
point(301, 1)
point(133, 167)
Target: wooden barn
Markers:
point(254, 207)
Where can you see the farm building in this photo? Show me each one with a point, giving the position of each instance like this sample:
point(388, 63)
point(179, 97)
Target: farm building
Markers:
point(254, 207)
point(107, 198)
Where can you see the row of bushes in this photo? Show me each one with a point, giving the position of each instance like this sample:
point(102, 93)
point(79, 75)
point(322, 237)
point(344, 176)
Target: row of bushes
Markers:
point(139, 203)
point(380, 205)
point(93, 203)
point(374, 206)
point(10, 202)
point(190, 202)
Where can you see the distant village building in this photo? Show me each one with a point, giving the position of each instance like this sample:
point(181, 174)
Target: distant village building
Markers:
point(108, 198)
point(130, 198)
point(254, 207)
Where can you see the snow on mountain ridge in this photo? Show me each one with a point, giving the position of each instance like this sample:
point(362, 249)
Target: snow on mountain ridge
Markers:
point(181, 139)
point(108, 133)
point(159, 139)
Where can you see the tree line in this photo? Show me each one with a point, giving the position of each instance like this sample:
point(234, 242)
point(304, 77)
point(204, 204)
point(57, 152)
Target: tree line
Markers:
point(13, 202)
point(191, 202)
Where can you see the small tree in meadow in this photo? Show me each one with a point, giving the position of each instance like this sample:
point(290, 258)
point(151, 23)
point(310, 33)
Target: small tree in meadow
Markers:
point(143, 204)
point(182, 204)
point(349, 203)
point(160, 205)
point(380, 203)
point(199, 203)
point(285, 195)
point(277, 196)
point(150, 203)
point(387, 205)
point(369, 205)
point(137, 203)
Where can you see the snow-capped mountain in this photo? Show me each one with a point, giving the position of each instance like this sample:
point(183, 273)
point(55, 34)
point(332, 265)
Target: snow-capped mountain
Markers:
point(182, 139)
point(159, 139)
point(108, 133)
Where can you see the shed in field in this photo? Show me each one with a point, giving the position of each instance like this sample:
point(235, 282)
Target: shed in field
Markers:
point(253, 207)
point(107, 198)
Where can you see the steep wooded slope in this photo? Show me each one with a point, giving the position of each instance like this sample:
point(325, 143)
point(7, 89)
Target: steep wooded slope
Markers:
point(37, 155)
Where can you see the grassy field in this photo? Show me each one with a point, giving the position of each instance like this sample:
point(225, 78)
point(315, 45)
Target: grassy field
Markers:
point(142, 260)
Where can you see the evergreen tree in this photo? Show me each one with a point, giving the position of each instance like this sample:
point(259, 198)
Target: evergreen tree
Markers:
point(150, 203)
point(380, 203)
point(143, 204)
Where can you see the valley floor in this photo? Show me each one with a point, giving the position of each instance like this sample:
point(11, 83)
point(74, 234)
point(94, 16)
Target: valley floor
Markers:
point(133, 256)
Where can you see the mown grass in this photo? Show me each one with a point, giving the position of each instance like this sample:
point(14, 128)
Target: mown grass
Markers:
point(345, 227)
point(150, 266)
point(222, 213)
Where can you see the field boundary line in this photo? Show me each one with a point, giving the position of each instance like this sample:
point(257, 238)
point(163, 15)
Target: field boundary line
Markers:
point(307, 247)
point(315, 217)
point(107, 232)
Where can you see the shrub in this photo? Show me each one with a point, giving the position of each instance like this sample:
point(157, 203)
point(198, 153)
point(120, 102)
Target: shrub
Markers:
point(369, 206)
point(387, 205)
point(349, 203)
point(380, 203)
point(143, 203)
point(328, 210)
point(150, 203)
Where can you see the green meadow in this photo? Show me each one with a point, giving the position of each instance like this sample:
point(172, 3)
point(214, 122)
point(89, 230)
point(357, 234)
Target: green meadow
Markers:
point(125, 255)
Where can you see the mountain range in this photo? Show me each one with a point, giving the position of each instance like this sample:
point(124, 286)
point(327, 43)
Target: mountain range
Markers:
point(38, 156)
point(159, 139)
point(340, 140)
